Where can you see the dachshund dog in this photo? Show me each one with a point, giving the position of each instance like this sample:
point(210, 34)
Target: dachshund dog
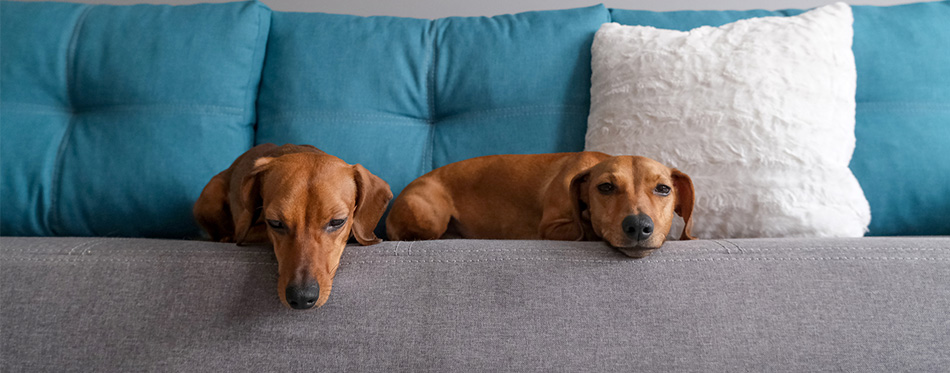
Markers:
point(627, 201)
point(307, 202)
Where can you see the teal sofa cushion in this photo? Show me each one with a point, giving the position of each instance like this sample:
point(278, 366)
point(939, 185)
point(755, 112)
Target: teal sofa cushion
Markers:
point(902, 125)
point(403, 96)
point(114, 117)
point(902, 155)
point(356, 87)
point(513, 84)
point(685, 20)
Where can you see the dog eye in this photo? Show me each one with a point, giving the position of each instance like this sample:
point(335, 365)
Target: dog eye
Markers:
point(606, 188)
point(276, 224)
point(336, 224)
point(662, 190)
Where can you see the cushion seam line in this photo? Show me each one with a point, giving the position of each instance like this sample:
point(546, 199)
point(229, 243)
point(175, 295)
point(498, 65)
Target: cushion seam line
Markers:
point(53, 219)
point(428, 159)
point(250, 116)
point(505, 259)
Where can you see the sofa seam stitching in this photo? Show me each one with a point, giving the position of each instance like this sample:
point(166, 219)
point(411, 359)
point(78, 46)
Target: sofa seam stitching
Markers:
point(438, 251)
point(636, 261)
point(428, 162)
point(260, 77)
point(430, 75)
point(135, 261)
point(53, 218)
point(507, 259)
point(198, 109)
point(71, 55)
point(88, 245)
point(903, 106)
point(550, 110)
point(494, 113)
point(341, 114)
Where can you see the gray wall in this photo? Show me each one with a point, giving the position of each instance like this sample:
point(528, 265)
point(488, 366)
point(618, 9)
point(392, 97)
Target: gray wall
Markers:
point(445, 8)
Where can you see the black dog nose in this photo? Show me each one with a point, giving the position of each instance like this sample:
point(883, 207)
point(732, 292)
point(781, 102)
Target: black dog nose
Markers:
point(637, 227)
point(303, 297)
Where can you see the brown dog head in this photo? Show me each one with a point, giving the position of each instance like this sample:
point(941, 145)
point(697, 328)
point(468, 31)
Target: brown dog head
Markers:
point(311, 204)
point(630, 201)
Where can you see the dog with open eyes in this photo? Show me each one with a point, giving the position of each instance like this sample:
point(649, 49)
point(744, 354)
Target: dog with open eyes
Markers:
point(627, 201)
point(306, 202)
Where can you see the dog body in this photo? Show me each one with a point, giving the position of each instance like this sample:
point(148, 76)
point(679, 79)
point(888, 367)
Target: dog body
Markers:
point(306, 202)
point(558, 196)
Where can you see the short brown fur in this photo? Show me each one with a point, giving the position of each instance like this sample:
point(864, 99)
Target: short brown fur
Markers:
point(543, 196)
point(304, 189)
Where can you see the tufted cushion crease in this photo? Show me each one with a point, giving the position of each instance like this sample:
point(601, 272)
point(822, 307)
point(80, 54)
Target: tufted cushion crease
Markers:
point(114, 117)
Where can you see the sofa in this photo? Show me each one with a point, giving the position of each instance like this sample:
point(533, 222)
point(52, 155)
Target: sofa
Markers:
point(113, 118)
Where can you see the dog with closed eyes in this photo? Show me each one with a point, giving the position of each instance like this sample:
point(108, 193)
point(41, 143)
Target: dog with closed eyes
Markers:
point(307, 203)
point(627, 201)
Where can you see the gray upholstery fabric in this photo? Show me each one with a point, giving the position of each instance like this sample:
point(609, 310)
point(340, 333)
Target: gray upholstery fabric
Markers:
point(870, 304)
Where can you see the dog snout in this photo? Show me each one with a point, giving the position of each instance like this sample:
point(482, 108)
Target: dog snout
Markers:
point(301, 297)
point(637, 227)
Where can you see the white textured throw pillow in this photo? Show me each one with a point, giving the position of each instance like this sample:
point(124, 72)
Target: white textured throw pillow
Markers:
point(759, 113)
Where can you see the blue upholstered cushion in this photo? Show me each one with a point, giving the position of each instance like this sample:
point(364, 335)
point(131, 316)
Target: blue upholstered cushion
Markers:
point(402, 96)
point(355, 87)
point(514, 83)
point(902, 155)
point(114, 117)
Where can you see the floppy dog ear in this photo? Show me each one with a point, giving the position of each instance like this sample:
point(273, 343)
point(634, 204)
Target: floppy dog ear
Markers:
point(685, 197)
point(251, 201)
point(580, 199)
point(372, 197)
